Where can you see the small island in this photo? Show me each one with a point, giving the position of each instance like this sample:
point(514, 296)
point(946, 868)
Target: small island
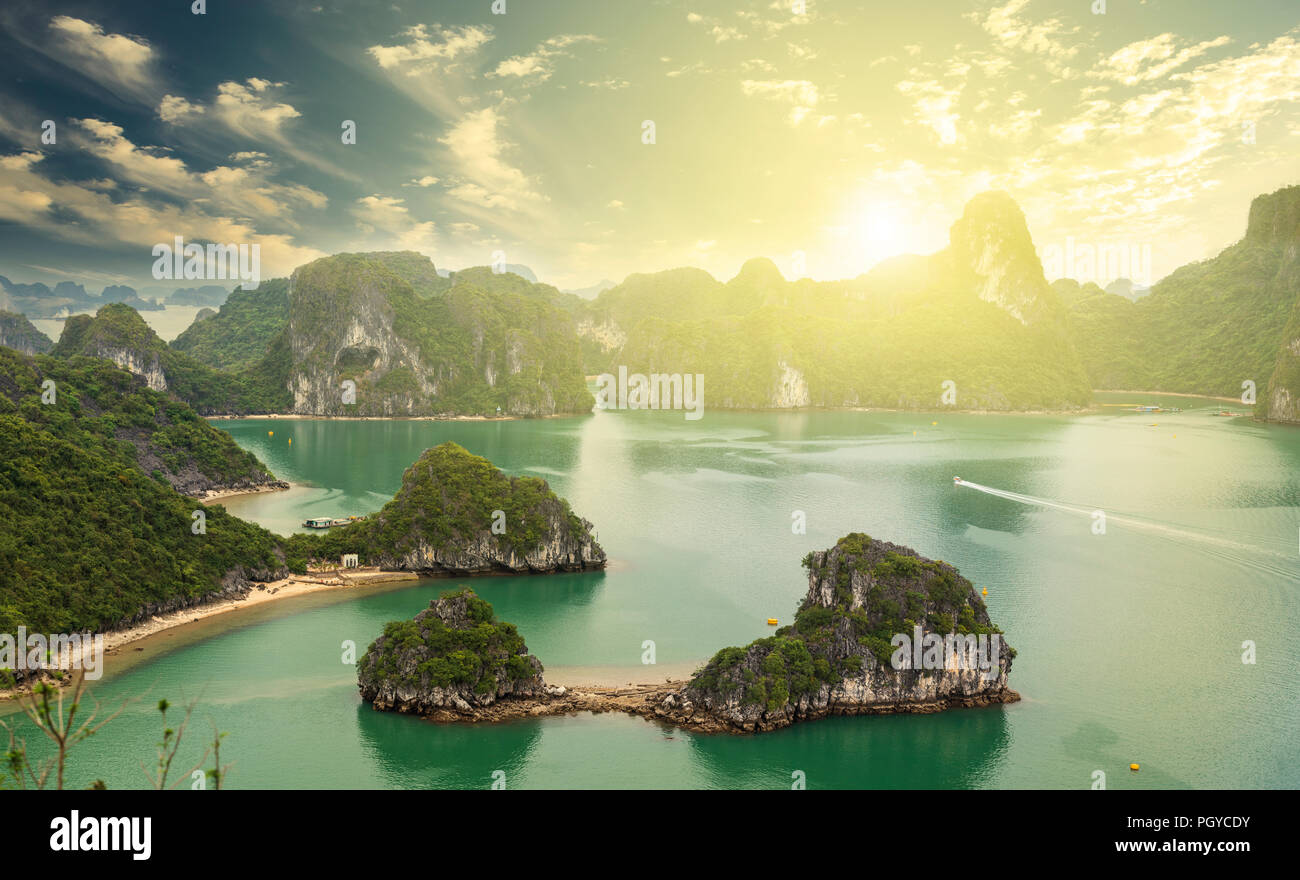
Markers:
point(882, 630)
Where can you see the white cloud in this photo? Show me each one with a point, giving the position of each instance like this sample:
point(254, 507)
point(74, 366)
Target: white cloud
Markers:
point(487, 179)
point(118, 62)
point(391, 218)
point(1151, 59)
point(539, 65)
point(431, 48)
point(802, 95)
point(173, 108)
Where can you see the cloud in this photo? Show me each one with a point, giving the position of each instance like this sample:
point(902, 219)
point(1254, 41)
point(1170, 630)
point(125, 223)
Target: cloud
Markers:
point(117, 62)
point(426, 181)
point(486, 179)
point(801, 94)
point(390, 216)
point(249, 109)
point(1151, 59)
point(431, 48)
point(243, 190)
point(720, 32)
point(935, 105)
point(539, 65)
point(610, 82)
point(1044, 39)
point(173, 108)
point(82, 214)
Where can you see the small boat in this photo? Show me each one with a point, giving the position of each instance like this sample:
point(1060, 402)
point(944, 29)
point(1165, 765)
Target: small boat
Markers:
point(956, 481)
point(338, 522)
point(320, 522)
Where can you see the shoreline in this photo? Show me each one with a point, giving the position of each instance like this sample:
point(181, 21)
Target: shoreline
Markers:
point(139, 636)
point(260, 594)
point(651, 701)
point(221, 494)
point(310, 417)
point(1236, 400)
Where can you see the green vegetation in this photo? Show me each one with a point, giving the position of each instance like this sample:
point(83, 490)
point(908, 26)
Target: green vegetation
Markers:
point(478, 343)
point(19, 333)
point(889, 338)
point(446, 503)
point(1208, 326)
point(239, 335)
point(457, 643)
point(118, 331)
point(877, 590)
point(94, 532)
point(98, 405)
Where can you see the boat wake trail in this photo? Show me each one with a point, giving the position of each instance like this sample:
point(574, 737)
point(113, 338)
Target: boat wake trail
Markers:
point(1227, 549)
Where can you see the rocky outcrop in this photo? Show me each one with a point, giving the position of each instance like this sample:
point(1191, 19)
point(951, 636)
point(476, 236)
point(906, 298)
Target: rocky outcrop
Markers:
point(384, 335)
point(844, 655)
point(992, 242)
point(455, 657)
point(558, 550)
point(457, 514)
point(1275, 223)
point(18, 333)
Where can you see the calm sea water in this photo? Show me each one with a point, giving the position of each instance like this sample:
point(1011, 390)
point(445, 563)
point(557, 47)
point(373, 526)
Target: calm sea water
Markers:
point(1130, 642)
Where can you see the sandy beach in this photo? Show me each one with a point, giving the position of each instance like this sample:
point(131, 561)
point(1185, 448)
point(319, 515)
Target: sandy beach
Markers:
point(220, 494)
point(294, 585)
point(138, 637)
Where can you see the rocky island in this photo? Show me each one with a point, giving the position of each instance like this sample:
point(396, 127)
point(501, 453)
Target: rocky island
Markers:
point(458, 514)
point(453, 658)
point(844, 655)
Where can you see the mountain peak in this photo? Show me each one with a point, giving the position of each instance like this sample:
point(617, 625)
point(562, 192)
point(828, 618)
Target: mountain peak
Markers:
point(1275, 218)
point(991, 240)
point(759, 270)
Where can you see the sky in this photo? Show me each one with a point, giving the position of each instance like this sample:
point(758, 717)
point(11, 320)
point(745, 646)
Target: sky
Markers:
point(824, 135)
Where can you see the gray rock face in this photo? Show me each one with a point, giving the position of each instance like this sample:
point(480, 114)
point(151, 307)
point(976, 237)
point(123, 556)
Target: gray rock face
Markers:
point(404, 677)
point(992, 241)
point(486, 554)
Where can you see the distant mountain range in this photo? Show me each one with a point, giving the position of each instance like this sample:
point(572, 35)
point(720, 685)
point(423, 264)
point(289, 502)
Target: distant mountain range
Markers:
point(1210, 327)
point(39, 300)
point(975, 326)
point(979, 315)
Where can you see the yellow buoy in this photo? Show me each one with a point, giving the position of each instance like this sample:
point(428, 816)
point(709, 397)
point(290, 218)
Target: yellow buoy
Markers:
point(771, 621)
point(290, 441)
point(986, 591)
point(934, 423)
point(270, 433)
point(1134, 767)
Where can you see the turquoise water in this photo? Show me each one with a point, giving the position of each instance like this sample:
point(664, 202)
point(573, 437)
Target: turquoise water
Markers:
point(1129, 642)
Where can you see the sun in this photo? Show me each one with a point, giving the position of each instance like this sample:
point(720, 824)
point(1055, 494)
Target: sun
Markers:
point(879, 231)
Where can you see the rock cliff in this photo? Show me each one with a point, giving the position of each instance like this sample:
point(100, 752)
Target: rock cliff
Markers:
point(383, 334)
point(1275, 221)
point(20, 334)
